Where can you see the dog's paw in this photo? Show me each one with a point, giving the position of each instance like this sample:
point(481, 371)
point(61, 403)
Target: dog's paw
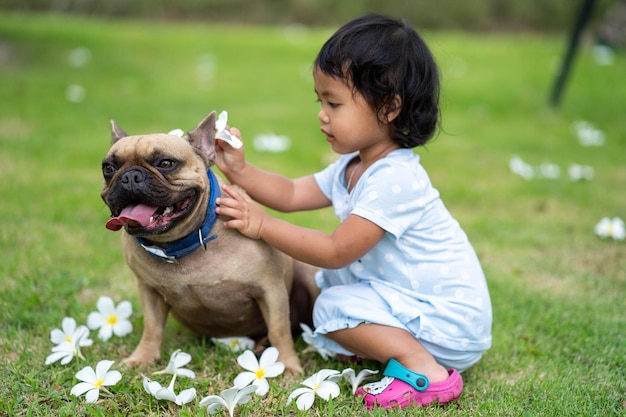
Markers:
point(292, 366)
point(141, 358)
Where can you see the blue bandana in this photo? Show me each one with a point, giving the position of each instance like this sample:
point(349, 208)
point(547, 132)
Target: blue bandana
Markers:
point(171, 252)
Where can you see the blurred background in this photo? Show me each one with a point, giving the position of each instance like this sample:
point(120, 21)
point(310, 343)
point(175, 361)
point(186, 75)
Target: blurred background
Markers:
point(552, 15)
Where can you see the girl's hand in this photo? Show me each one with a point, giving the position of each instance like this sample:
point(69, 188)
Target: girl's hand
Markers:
point(246, 216)
point(229, 160)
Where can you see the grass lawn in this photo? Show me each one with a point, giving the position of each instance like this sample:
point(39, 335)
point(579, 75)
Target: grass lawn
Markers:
point(558, 290)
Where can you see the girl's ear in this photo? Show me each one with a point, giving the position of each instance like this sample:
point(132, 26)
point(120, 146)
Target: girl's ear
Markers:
point(392, 110)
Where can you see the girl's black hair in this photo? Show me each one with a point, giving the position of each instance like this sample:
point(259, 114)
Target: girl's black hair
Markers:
point(381, 58)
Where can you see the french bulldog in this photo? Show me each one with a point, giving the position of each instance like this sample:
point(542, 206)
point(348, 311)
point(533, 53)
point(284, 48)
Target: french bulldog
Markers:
point(161, 191)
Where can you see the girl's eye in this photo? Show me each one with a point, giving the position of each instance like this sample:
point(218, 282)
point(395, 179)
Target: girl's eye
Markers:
point(166, 164)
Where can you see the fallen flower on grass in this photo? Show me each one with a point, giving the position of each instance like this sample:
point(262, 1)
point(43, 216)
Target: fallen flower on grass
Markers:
point(611, 228)
point(235, 344)
point(354, 380)
point(111, 319)
point(177, 360)
point(587, 134)
point(307, 336)
point(162, 393)
point(95, 381)
point(68, 341)
point(317, 384)
point(229, 400)
point(580, 172)
point(258, 371)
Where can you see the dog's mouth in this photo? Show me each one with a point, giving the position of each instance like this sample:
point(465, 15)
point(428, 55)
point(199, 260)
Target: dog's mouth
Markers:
point(147, 218)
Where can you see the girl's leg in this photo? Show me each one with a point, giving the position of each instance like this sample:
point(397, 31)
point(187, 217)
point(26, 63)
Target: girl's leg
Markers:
point(381, 343)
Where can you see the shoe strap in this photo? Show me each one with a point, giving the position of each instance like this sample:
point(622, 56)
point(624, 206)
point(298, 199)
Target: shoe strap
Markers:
point(417, 381)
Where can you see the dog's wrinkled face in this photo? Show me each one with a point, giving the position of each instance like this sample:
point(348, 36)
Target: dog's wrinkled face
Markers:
point(155, 185)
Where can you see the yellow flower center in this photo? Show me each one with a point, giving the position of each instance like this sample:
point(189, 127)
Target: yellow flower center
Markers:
point(68, 339)
point(99, 383)
point(112, 320)
point(260, 374)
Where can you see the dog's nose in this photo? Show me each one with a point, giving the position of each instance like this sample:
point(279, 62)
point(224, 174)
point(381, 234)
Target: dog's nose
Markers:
point(133, 178)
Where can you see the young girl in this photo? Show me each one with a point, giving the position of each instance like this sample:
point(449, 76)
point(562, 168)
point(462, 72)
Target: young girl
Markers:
point(400, 283)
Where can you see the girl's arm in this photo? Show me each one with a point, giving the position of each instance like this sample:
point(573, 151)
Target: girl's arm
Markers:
point(353, 238)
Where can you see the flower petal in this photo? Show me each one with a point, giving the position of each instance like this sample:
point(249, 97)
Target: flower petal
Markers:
point(185, 396)
point(274, 370)
point(186, 372)
point(262, 386)
point(94, 320)
point(180, 358)
point(165, 394)
point(268, 357)
point(214, 400)
point(248, 361)
point(244, 379)
point(87, 374)
point(68, 325)
point(103, 367)
point(81, 388)
point(328, 389)
point(111, 378)
point(57, 336)
point(105, 305)
point(124, 310)
point(305, 401)
point(122, 328)
point(105, 333)
point(92, 395)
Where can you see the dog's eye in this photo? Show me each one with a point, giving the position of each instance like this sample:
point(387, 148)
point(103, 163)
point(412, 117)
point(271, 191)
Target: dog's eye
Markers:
point(108, 168)
point(166, 164)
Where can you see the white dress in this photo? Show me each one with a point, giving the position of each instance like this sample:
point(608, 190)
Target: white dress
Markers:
point(423, 275)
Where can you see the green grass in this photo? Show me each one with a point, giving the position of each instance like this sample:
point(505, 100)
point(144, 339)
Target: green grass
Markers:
point(558, 291)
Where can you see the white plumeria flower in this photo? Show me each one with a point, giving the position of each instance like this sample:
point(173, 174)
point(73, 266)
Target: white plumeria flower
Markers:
point(95, 381)
point(580, 172)
point(354, 380)
point(223, 134)
point(229, 399)
point(549, 170)
point(588, 135)
point(258, 371)
point(162, 393)
point(178, 359)
point(611, 228)
point(110, 319)
point(521, 168)
point(315, 385)
point(307, 336)
point(68, 341)
point(235, 344)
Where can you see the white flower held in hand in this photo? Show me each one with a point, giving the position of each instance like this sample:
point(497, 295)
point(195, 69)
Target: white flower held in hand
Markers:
point(225, 135)
point(316, 385)
point(95, 381)
point(110, 319)
point(266, 367)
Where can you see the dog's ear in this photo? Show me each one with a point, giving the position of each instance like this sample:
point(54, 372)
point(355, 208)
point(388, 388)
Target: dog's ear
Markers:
point(202, 138)
point(117, 132)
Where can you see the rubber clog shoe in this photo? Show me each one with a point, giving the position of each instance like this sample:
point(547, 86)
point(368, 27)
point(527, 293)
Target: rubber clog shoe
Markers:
point(401, 388)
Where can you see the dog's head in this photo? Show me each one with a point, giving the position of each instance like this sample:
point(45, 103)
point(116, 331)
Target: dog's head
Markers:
point(156, 184)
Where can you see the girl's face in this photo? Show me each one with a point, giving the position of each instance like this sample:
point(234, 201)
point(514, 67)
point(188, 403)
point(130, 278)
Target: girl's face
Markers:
point(348, 121)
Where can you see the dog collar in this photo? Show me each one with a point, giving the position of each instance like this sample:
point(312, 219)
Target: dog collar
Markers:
point(169, 253)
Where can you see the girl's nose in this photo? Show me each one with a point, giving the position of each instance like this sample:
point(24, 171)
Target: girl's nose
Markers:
point(322, 116)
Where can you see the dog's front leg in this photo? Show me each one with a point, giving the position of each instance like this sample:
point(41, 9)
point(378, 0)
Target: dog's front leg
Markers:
point(155, 312)
point(274, 305)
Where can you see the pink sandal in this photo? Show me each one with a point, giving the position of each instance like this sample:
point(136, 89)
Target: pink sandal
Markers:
point(402, 388)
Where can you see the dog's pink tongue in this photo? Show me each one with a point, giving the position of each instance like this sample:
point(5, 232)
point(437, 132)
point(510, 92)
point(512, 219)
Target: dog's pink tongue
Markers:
point(139, 214)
